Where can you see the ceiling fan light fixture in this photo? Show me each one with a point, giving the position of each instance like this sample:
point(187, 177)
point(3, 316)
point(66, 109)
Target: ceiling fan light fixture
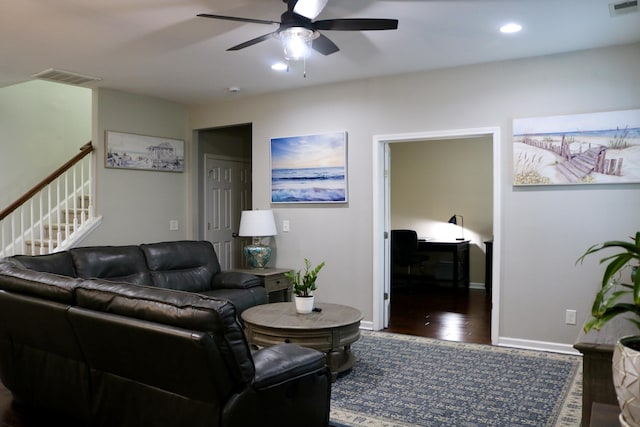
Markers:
point(296, 42)
point(309, 8)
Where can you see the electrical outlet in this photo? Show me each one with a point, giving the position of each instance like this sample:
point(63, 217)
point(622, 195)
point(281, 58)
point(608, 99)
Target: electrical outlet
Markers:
point(570, 317)
point(173, 225)
point(285, 226)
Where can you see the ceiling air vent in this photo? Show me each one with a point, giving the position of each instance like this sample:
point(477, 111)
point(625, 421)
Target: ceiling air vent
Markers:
point(621, 8)
point(65, 77)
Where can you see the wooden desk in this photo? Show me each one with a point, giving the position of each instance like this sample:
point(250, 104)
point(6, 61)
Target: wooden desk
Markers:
point(459, 250)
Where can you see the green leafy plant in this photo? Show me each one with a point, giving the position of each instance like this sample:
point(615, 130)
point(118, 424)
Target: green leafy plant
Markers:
point(615, 297)
point(304, 283)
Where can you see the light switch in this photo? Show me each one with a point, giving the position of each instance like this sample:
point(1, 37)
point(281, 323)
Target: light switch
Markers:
point(285, 226)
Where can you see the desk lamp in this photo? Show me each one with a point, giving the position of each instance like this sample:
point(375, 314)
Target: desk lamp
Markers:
point(453, 220)
point(257, 224)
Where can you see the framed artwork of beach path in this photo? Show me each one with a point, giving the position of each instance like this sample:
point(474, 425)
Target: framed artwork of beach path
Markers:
point(593, 148)
point(309, 169)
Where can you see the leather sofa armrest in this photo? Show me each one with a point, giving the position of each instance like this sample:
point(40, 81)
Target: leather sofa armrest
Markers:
point(235, 280)
point(284, 362)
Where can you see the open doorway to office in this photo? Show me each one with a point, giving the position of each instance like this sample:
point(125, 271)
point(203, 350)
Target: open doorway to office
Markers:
point(432, 221)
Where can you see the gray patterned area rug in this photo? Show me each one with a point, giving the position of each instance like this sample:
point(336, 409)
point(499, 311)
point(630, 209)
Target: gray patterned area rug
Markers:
point(401, 380)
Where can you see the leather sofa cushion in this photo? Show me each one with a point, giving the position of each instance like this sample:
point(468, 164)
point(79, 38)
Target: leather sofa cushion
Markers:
point(241, 298)
point(176, 308)
point(57, 263)
point(182, 265)
point(49, 286)
point(114, 263)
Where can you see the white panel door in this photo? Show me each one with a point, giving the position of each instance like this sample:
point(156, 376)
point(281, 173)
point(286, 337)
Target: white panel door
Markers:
point(227, 193)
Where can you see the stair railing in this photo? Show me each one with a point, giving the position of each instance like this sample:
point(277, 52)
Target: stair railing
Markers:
point(49, 214)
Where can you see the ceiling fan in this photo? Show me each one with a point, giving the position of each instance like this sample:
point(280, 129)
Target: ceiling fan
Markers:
point(298, 23)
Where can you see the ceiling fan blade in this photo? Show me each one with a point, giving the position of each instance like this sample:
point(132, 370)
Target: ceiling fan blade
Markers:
point(252, 42)
point(323, 45)
point(356, 24)
point(234, 18)
point(309, 8)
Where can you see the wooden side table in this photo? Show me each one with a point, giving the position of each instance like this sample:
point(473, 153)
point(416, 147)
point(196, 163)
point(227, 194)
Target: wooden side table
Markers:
point(274, 281)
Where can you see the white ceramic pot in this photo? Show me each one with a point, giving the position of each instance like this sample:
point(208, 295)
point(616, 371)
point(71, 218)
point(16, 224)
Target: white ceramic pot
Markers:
point(626, 380)
point(304, 305)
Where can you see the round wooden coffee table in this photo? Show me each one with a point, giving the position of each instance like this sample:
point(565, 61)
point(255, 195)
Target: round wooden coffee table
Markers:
point(331, 330)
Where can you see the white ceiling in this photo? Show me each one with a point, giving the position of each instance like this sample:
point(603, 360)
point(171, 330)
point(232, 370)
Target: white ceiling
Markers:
point(160, 48)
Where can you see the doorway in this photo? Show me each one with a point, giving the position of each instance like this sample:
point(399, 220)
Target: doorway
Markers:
point(224, 182)
point(382, 213)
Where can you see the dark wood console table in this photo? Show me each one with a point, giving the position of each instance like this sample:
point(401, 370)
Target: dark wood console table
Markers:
point(460, 252)
point(597, 350)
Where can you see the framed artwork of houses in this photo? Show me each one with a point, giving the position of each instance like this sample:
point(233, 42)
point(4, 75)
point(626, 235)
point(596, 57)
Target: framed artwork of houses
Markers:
point(594, 148)
point(132, 151)
point(309, 169)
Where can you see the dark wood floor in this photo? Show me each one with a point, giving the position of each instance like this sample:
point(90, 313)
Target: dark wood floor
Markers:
point(443, 312)
point(446, 313)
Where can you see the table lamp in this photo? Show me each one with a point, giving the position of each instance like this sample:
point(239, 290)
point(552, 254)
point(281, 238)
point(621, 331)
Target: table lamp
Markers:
point(453, 220)
point(257, 224)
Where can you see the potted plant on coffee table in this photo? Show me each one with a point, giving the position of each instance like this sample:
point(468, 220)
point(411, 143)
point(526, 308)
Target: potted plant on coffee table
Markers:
point(304, 283)
point(614, 298)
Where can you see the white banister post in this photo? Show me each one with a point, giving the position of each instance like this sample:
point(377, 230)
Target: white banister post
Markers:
point(92, 182)
point(74, 191)
point(40, 223)
point(31, 225)
point(58, 214)
point(50, 223)
point(66, 202)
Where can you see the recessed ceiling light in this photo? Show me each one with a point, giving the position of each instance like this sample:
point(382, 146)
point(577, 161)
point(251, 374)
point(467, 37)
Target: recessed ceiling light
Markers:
point(233, 89)
point(280, 66)
point(510, 28)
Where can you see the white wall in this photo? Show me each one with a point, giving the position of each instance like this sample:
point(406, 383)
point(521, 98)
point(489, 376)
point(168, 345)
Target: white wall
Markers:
point(544, 230)
point(42, 125)
point(137, 205)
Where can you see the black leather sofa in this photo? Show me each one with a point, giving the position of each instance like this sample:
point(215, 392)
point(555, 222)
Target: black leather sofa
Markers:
point(119, 353)
point(190, 266)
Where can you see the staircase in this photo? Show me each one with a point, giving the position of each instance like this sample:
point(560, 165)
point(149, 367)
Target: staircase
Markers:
point(54, 215)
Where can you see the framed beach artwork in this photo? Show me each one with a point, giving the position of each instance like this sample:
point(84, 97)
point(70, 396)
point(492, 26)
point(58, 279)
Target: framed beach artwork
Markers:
point(595, 148)
point(309, 169)
point(132, 151)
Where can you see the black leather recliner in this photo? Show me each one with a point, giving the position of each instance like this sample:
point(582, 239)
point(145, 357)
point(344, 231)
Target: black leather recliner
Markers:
point(109, 353)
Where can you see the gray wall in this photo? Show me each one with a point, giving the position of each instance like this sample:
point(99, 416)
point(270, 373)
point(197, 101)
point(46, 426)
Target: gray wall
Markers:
point(544, 230)
point(42, 125)
point(137, 205)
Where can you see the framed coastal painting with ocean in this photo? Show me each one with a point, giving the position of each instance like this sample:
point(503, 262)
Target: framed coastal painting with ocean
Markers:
point(309, 169)
point(593, 148)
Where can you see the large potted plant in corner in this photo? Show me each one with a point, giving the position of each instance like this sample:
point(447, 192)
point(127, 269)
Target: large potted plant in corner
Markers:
point(615, 297)
point(304, 283)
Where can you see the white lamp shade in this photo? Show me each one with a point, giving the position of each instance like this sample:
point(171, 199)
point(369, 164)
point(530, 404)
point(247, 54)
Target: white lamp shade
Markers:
point(257, 224)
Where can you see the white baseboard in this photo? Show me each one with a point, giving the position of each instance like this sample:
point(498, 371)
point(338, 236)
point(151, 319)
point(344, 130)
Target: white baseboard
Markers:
point(515, 342)
point(366, 325)
point(538, 345)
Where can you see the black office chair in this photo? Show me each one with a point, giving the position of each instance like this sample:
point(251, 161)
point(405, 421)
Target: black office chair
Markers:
point(404, 251)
